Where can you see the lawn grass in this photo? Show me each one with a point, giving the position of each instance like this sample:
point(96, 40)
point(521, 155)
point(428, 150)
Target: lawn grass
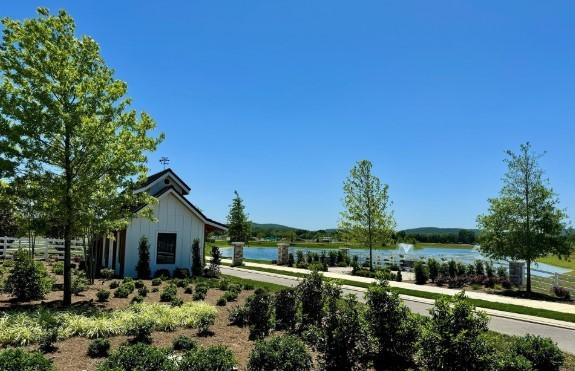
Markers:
point(553, 260)
point(512, 308)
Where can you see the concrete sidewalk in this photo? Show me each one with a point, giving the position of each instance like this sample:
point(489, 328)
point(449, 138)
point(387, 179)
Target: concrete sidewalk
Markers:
point(536, 304)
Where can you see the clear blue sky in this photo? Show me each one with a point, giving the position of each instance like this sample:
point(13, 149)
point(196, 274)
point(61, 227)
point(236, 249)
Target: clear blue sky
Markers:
point(278, 99)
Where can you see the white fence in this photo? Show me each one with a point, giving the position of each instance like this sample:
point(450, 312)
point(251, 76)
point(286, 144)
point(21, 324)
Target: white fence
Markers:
point(43, 247)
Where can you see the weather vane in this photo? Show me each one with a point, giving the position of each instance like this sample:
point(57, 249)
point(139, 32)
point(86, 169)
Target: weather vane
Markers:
point(164, 161)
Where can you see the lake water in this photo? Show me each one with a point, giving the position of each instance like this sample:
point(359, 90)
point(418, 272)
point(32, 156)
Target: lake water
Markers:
point(387, 256)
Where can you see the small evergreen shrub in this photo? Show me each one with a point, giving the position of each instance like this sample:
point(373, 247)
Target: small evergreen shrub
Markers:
point(181, 282)
point(114, 285)
point(281, 353)
point(141, 331)
point(141, 357)
point(543, 353)
point(189, 290)
point(238, 316)
point(197, 264)
point(143, 291)
point(421, 273)
point(79, 282)
point(139, 284)
point(99, 348)
point(231, 295)
point(562, 292)
point(28, 280)
point(181, 273)
point(163, 274)
point(310, 293)
point(222, 302)
point(260, 310)
point(58, 268)
point(143, 267)
point(398, 276)
point(169, 293)
point(156, 282)
point(285, 309)
point(176, 302)
point(122, 292)
point(208, 359)
point(137, 299)
point(183, 342)
point(103, 295)
point(248, 286)
point(107, 273)
point(17, 359)
point(155, 289)
point(200, 292)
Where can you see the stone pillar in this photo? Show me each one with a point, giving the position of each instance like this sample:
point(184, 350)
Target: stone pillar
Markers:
point(238, 257)
point(283, 253)
point(516, 272)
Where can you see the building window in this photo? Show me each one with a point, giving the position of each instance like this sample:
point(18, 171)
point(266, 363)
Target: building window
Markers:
point(166, 252)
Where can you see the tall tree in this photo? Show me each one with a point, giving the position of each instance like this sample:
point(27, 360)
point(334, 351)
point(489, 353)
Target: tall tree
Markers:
point(63, 112)
point(524, 222)
point(367, 217)
point(238, 224)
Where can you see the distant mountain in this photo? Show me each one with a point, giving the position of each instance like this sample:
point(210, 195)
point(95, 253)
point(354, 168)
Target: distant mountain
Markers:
point(256, 227)
point(436, 231)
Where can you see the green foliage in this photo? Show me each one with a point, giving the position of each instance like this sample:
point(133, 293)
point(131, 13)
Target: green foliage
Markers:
point(17, 359)
point(183, 342)
point(103, 295)
point(281, 353)
point(99, 348)
point(541, 352)
point(143, 291)
point(208, 359)
point(238, 223)
point(200, 293)
point(169, 293)
point(181, 273)
point(156, 281)
point(238, 316)
point(89, 157)
point(394, 329)
point(107, 273)
point(310, 293)
point(189, 290)
point(221, 302)
point(285, 309)
point(421, 273)
point(123, 291)
point(137, 299)
point(28, 280)
point(367, 217)
point(454, 337)
point(525, 221)
point(260, 315)
point(143, 267)
point(197, 264)
point(141, 331)
point(214, 269)
point(139, 284)
point(58, 268)
point(114, 285)
point(141, 357)
point(79, 282)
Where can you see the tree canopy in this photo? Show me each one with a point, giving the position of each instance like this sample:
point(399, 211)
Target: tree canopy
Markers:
point(525, 221)
point(238, 223)
point(63, 113)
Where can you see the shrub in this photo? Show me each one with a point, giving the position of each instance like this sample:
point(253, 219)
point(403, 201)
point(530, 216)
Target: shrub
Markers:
point(177, 302)
point(197, 264)
point(143, 267)
point(208, 359)
point(310, 292)
point(143, 291)
point(141, 331)
point(114, 285)
point(141, 357)
point(290, 260)
point(17, 359)
point(189, 290)
point(502, 272)
point(162, 274)
point(214, 269)
point(49, 338)
point(506, 284)
point(562, 292)
point(200, 293)
point(238, 316)
point(285, 308)
point(139, 284)
point(28, 280)
point(454, 337)
point(461, 269)
point(156, 282)
point(393, 327)
point(79, 283)
point(99, 348)
point(181, 273)
point(260, 310)
point(543, 353)
point(183, 342)
point(58, 268)
point(508, 361)
point(181, 282)
point(137, 299)
point(489, 282)
point(122, 292)
point(107, 273)
point(421, 273)
point(155, 289)
point(479, 268)
point(169, 293)
point(103, 295)
point(452, 268)
point(281, 353)
point(398, 276)
point(231, 295)
point(345, 344)
point(248, 286)
point(222, 302)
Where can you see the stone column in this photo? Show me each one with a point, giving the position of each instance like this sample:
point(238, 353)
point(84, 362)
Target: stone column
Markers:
point(238, 257)
point(516, 272)
point(283, 253)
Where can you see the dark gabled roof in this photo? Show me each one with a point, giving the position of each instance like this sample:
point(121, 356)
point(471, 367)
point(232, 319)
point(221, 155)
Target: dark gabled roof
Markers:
point(152, 178)
point(171, 187)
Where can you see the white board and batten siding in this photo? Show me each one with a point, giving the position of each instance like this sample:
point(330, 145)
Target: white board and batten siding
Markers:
point(172, 216)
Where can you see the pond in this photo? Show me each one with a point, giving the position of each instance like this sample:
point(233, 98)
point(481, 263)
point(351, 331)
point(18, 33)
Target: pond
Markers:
point(390, 256)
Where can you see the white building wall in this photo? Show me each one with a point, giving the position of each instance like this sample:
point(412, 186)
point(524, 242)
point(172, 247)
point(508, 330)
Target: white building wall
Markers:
point(172, 217)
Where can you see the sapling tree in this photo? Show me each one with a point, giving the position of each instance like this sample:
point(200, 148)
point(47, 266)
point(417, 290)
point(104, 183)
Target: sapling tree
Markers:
point(63, 112)
point(238, 224)
point(143, 266)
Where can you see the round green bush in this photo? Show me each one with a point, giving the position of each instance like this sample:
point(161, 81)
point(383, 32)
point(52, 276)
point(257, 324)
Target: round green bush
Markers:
point(103, 295)
point(114, 285)
point(137, 299)
point(58, 268)
point(543, 353)
point(17, 359)
point(141, 357)
point(421, 273)
point(122, 292)
point(208, 359)
point(183, 343)
point(222, 301)
point(99, 348)
point(143, 291)
point(28, 280)
point(282, 353)
point(189, 290)
point(156, 282)
point(139, 284)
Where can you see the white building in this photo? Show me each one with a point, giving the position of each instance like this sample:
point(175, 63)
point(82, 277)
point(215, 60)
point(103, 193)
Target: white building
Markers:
point(178, 223)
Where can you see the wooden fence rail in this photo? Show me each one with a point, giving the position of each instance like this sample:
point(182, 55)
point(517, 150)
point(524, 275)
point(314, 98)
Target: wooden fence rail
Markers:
point(43, 247)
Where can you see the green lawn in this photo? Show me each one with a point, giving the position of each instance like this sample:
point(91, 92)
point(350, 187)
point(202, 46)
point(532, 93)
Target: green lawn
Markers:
point(512, 308)
point(553, 260)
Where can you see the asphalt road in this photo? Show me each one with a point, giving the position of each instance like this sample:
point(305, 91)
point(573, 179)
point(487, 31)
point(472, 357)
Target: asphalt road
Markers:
point(564, 338)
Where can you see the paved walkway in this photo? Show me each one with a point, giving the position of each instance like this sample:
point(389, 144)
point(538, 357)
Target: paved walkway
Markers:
point(563, 333)
point(538, 304)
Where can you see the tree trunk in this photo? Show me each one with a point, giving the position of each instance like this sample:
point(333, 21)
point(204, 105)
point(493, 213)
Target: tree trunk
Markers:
point(528, 276)
point(67, 221)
